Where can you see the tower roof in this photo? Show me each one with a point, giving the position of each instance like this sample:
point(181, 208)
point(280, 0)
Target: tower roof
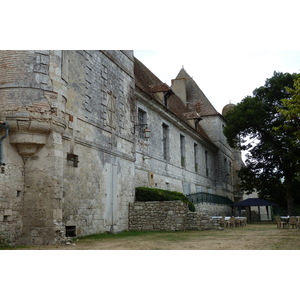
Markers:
point(195, 97)
point(227, 108)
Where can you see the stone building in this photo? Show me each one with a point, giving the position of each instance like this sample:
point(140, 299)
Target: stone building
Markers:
point(187, 150)
point(73, 142)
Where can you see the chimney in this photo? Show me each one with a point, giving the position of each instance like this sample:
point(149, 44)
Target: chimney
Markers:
point(179, 88)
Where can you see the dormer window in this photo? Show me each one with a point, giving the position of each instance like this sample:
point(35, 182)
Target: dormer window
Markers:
point(166, 99)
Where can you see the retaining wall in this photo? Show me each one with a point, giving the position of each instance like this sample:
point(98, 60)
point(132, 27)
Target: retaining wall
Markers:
point(212, 209)
point(166, 216)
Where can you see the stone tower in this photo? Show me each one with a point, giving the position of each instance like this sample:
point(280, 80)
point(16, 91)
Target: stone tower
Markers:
point(70, 123)
point(33, 99)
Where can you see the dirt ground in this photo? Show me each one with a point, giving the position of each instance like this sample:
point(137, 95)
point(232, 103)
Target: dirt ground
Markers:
point(251, 237)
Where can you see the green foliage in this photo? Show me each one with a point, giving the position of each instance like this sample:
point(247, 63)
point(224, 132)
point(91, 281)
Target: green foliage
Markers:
point(152, 194)
point(260, 125)
point(291, 113)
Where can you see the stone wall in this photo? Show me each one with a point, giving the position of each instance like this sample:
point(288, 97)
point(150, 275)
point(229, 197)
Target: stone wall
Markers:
point(70, 117)
point(32, 104)
point(212, 209)
point(99, 133)
point(166, 216)
point(169, 173)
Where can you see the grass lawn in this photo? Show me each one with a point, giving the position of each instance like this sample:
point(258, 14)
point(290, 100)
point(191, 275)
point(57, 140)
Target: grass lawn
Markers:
point(263, 236)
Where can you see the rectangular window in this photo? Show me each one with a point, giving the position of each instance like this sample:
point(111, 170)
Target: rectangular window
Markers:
point(111, 110)
point(165, 140)
point(182, 150)
point(165, 99)
point(70, 231)
point(196, 157)
point(229, 172)
point(72, 160)
point(225, 169)
point(206, 162)
point(142, 123)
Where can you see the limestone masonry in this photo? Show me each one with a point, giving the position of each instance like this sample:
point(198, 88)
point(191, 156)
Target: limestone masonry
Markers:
point(74, 145)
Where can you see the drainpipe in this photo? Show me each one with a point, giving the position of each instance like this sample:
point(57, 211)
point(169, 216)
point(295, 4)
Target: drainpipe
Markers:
point(4, 126)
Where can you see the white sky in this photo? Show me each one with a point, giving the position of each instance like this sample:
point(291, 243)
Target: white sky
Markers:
point(229, 47)
point(222, 74)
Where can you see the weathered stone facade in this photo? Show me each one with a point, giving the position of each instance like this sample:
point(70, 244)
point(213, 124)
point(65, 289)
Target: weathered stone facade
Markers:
point(70, 135)
point(76, 149)
point(187, 150)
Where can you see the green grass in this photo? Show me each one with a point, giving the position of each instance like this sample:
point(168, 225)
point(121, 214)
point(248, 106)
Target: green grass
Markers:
point(263, 236)
point(123, 234)
point(10, 247)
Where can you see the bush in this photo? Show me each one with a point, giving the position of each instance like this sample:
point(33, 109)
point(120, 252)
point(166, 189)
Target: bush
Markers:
point(151, 194)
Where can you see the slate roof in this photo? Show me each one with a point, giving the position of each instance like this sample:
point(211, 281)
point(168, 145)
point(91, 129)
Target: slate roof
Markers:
point(196, 99)
point(149, 83)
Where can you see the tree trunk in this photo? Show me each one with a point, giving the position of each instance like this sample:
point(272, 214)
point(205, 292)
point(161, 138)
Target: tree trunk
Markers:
point(289, 196)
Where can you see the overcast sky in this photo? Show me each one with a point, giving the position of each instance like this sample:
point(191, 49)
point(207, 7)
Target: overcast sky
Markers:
point(223, 75)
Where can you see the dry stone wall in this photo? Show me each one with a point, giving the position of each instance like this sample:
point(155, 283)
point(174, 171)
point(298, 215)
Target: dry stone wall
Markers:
point(212, 209)
point(166, 216)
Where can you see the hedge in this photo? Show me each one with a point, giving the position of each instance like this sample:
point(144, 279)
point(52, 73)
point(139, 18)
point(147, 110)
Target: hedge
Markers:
point(152, 194)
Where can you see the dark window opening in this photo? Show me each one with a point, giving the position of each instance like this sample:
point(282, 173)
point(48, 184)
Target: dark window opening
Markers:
point(206, 162)
point(6, 218)
point(72, 160)
point(196, 157)
point(70, 231)
point(182, 150)
point(165, 132)
point(165, 99)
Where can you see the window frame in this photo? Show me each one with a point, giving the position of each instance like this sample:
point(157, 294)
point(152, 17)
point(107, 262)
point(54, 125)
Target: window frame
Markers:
point(165, 141)
point(111, 110)
point(182, 151)
point(141, 123)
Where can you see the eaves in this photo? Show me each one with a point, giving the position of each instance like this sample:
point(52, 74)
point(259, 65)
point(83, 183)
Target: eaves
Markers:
point(171, 117)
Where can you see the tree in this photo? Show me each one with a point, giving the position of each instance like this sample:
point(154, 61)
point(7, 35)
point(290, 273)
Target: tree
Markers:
point(291, 114)
point(257, 124)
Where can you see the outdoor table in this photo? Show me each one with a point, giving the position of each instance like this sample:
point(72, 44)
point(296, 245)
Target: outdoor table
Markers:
point(216, 219)
point(287, 220)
